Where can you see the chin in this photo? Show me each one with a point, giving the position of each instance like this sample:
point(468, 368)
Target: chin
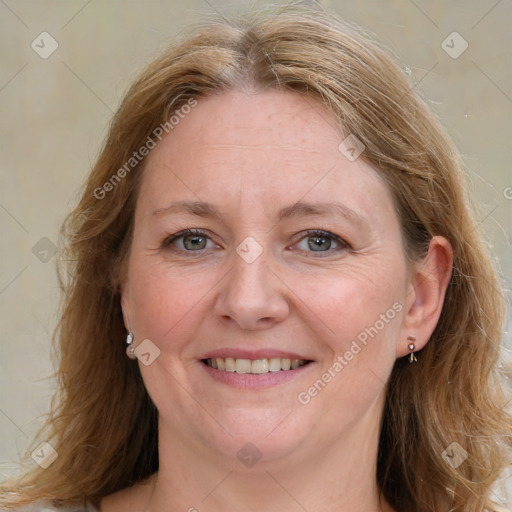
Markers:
point(264, 434)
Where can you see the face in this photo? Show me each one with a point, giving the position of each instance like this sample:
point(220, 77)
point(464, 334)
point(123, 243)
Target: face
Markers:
point(258, 245)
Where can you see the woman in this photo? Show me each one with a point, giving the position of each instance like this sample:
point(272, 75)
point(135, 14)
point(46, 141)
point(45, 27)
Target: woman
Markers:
point(277, 226)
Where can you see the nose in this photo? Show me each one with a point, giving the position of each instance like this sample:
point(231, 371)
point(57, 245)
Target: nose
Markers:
point(252, 296)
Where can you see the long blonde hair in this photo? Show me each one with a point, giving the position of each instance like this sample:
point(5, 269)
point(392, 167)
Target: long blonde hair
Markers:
point(103, 423)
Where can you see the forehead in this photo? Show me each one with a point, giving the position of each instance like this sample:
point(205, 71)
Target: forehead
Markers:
point(272, 146)
point(252, 121)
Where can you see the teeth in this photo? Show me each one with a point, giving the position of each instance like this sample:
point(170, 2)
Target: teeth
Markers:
point(259, 366)
point(274, 364)
point(243, 366)
point(229, 364)
point(256, 366)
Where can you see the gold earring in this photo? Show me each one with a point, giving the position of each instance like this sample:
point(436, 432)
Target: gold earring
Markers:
point(411, 346)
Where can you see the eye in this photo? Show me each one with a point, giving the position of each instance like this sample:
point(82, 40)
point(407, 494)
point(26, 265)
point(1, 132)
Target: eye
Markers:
point(188, 240)
point(317, 240)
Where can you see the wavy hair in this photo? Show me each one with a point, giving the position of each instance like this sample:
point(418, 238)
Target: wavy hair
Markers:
point(102, 421)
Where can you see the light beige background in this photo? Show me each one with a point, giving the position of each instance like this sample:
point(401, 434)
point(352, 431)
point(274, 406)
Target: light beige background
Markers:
point(55, 113)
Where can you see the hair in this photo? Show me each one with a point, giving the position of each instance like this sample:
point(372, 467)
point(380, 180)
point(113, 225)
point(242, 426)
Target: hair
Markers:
point(102, 422)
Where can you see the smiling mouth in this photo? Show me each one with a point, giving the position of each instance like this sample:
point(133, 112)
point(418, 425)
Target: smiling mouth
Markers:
point(254, 366)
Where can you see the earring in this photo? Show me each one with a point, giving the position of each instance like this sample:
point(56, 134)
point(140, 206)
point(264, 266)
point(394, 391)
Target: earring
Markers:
point(130, 349)
point(411, 347)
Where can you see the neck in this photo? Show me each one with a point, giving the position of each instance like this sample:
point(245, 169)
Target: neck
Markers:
point(339, 478)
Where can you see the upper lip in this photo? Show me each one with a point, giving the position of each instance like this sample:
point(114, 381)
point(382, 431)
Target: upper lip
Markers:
point(262, 353)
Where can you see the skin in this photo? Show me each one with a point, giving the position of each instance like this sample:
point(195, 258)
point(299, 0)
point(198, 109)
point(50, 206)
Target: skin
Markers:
point(250, 154)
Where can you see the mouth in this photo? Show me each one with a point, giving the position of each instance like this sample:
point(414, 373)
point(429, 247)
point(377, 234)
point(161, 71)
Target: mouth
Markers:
point(254, 366)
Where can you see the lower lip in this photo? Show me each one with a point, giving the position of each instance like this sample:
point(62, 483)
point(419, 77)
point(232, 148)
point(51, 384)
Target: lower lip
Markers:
point(255, 381)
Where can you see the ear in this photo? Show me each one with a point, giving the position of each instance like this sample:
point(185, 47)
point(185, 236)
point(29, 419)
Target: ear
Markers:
point(425, 295)
point(124, 291)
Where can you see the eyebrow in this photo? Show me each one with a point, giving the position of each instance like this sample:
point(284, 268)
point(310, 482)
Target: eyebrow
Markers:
point(298, 209)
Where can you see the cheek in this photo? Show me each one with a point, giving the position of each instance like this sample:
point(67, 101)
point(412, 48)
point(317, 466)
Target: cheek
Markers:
point(363, 318)
point(352, 305)
point(166, 300)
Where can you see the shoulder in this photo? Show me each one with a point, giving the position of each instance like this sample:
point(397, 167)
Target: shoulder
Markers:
point(47, 507)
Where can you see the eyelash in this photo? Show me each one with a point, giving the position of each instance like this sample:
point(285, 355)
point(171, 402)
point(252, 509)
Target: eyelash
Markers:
point(343, 245)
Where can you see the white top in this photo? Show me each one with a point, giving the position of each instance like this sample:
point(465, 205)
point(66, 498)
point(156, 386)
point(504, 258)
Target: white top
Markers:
point(46, 507)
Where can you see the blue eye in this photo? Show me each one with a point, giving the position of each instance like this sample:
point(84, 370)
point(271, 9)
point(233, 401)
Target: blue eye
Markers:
point(188, 240)
point(316, 240)
point(321, 241)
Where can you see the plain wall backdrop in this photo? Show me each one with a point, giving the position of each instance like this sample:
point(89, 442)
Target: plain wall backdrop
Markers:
point(64, 66)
